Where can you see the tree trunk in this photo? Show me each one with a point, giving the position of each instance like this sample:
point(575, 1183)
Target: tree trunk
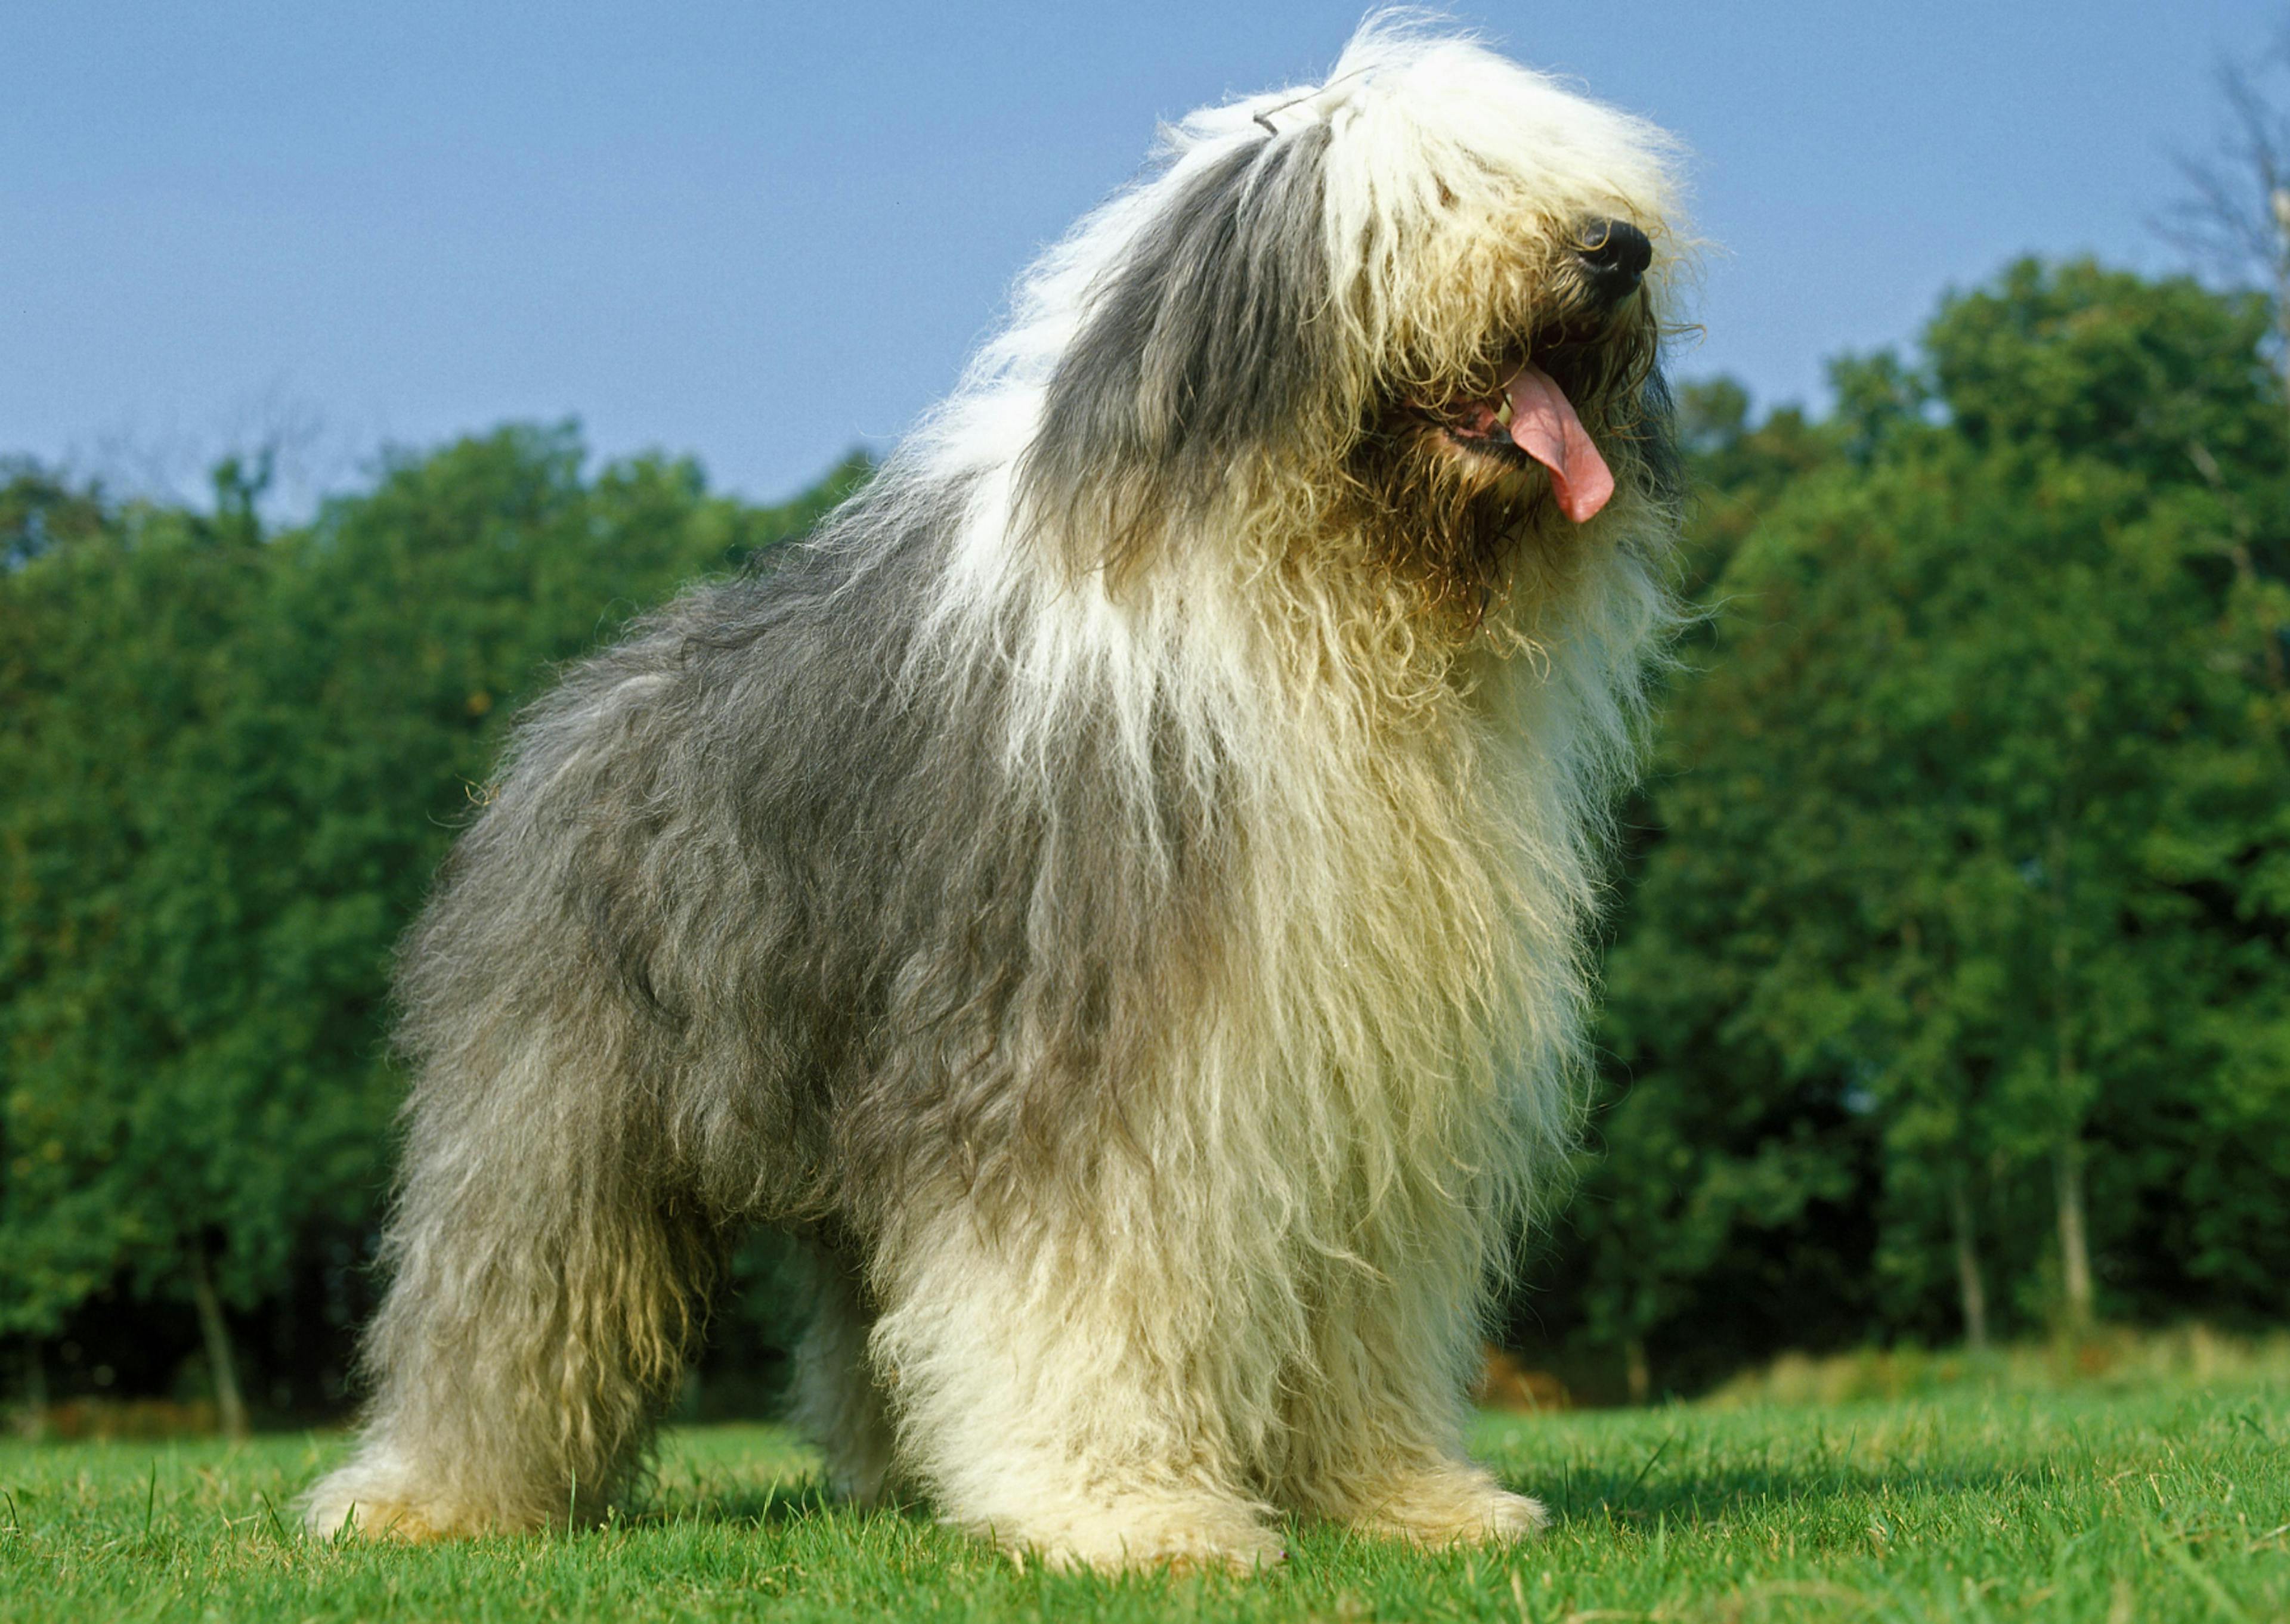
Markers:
point(1973, 1288)
point(228, 1406)
point(33, 1423)
point(1635, 1369)
point(2067, 1159)
point(2277, 201)
point(2074, 1248)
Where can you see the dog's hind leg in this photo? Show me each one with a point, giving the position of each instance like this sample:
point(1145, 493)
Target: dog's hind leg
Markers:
point(544, 1293)
point(838, 1404)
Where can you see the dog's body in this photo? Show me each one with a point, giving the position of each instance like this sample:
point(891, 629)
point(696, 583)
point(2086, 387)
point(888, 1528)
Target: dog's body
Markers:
point(1117, 891)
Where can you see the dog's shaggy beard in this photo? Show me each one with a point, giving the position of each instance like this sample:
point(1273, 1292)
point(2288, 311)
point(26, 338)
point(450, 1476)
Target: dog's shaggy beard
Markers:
point(1461, 523)
point(1117, 894)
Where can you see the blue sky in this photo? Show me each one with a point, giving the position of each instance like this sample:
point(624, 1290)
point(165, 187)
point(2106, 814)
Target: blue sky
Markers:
point(763, 233)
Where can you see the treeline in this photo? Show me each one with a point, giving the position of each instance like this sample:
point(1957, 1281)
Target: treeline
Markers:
point(228, 764)
point(1947, 997)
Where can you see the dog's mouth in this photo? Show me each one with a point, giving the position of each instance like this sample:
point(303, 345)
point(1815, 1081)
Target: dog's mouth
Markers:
point(1527, 417)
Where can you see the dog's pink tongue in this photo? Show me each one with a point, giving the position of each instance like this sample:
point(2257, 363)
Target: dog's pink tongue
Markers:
point(1543, 425)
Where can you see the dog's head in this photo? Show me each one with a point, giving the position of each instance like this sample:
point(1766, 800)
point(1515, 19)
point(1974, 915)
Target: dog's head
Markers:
point(1414, 311)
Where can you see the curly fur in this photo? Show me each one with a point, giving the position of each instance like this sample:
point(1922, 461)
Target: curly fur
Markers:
point(1117, 891)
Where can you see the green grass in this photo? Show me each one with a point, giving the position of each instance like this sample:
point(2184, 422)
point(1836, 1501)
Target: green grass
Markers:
point(2161, 1504)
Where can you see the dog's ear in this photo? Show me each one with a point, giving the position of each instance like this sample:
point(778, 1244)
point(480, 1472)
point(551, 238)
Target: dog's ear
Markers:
point(1204, 345)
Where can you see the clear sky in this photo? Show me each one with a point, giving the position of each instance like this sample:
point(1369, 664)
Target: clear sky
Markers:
point(763, 233)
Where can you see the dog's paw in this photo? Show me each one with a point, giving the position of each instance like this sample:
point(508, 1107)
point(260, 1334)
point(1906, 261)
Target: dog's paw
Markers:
point(1460, 1507)
point(362, 1502)
point(342, 1512)
point(1154, 1533)
point(1505, 1516)
point(1240, 1551)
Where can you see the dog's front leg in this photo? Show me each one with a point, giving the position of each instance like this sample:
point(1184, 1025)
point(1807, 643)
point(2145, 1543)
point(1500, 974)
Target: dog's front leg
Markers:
point(1376, 1422)
point(1061, 1387)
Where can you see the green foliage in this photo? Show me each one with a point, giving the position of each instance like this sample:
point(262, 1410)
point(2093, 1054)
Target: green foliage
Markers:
point(2077, 359)
point(232, 763)
point(1959, 915)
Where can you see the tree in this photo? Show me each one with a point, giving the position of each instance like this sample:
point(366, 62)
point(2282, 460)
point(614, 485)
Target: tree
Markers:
point(1960, 876)
point(232, 760)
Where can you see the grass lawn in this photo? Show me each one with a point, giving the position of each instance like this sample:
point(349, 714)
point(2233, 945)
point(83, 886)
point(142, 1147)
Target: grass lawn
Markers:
point(2153, 1505)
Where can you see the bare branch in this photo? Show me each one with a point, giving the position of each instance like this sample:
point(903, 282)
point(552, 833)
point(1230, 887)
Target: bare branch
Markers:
point(2234, 219)
point(2227, 221)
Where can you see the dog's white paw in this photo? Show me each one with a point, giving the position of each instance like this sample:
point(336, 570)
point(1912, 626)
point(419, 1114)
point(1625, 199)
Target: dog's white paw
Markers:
point(1151, 1533)
point(1459, 1508)
point(366, 1501)
point(347, 1507)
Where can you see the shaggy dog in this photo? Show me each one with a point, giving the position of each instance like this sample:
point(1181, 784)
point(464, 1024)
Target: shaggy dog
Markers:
point(1116, 892)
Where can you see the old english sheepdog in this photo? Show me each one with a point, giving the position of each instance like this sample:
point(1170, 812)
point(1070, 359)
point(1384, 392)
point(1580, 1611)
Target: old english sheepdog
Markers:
point(1116, 892)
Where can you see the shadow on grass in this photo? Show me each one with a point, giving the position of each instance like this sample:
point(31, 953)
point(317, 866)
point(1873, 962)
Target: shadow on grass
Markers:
point(1710, 1494)
point(1574, 1495)
point(1675, 1481)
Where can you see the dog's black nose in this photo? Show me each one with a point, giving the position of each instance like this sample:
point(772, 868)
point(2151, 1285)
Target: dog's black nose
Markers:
point(1615, 255)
